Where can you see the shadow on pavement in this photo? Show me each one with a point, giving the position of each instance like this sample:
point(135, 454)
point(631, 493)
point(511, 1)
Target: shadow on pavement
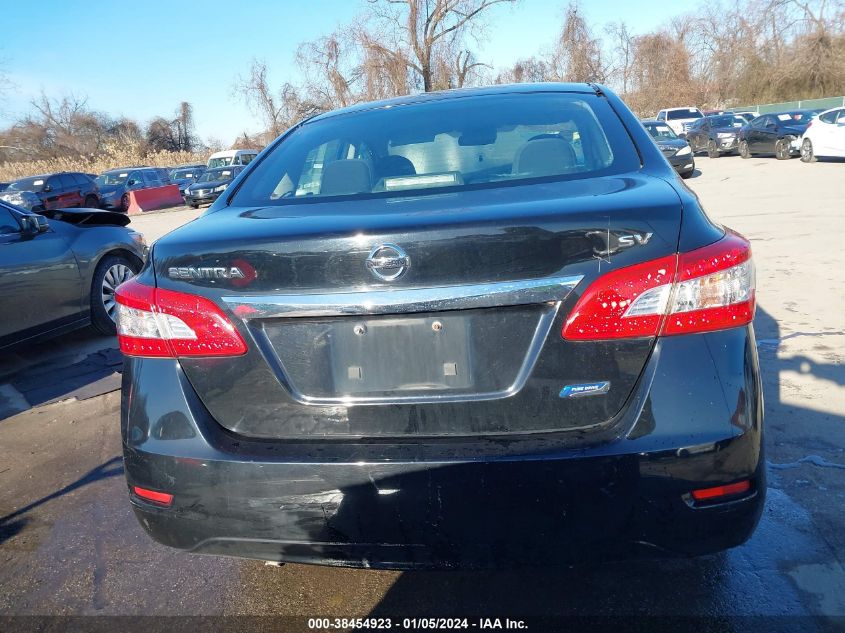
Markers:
point(12, 523)
point(82, 364)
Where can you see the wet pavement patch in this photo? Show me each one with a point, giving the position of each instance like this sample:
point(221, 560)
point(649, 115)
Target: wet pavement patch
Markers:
point(55, 380)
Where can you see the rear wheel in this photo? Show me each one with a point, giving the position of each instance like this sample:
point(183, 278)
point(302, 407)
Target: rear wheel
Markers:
point(807, 154)
point(782, 149)
point(712, 149)
point(91, 202)
point(744, 150)
point(124, 203)
point(112, 271)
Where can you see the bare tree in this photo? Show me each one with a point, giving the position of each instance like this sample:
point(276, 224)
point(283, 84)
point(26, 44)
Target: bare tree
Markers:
point(577, 55)
point(428, 32)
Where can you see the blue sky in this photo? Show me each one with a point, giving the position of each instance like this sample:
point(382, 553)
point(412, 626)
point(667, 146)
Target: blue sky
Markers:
point(142, 59)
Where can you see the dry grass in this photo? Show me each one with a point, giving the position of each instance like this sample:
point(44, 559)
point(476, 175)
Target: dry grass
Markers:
point(111, 157)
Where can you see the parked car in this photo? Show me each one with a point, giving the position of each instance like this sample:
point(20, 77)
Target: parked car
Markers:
point(53, 191)
point(230, 157)
point(679, 119)
point(824, 136)
point(477, 327)
point(778, 133)
point(186, 175)
point(210, 185)
point(676, 150)
point(116, 184)
point(60, 271)
point(717, 134)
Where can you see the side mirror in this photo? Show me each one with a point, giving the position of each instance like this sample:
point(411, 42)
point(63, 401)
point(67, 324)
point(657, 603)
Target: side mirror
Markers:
point(132, 182)
point(32, 225)
point(47, 188)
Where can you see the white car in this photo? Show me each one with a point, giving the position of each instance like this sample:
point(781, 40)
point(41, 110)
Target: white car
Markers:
point(231, 157)
point(679, 119)
point(825, 136)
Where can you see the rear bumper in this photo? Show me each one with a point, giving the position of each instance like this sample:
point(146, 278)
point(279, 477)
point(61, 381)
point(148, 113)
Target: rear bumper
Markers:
point(449, 503)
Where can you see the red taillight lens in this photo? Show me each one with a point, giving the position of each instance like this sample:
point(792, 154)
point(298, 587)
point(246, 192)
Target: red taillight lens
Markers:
point(156, 322)
point(161, 498)
point(600, 312)
point(710, 288)
point(710, 494)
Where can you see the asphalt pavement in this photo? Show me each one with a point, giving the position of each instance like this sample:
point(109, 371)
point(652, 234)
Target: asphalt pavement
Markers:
point(70, 546)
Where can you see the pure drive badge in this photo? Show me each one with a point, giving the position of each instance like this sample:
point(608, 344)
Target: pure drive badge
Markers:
point(585, 389)
point(219, 272)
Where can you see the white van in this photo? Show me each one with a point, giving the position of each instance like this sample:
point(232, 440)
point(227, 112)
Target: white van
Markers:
point(679, 119)
point(231, 157)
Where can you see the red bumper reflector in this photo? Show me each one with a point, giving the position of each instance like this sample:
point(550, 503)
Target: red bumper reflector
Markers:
point(708, 494)
point(151, 495)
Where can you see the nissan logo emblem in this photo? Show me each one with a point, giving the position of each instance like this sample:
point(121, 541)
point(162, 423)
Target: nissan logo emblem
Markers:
point(387, 262)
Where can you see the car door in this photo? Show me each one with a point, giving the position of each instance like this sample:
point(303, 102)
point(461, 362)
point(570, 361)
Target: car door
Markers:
point(702, 129)
point(40, 286)
point(51, 194)
point(71, 191)
point(768, 135)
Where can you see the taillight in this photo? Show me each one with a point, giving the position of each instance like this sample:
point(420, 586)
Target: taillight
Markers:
point(707, 289)
point(718, 492)
point(156, 322)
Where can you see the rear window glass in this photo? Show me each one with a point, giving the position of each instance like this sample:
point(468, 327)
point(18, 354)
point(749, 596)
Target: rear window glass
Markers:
point(468, 142)
point(692, 113)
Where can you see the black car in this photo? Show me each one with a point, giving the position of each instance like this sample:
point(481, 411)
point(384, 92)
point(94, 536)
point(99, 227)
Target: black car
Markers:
point(60, 271)
point(676, 150)
point(471, 328)
point(53, 191)
point(185, 175)
point(717, 135)
point(210, 185)
point(116, 184)
point(778, 133)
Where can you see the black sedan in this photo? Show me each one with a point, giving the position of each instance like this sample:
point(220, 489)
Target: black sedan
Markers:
point(676, 150)
point(60, 272)
point(778, 133)
point(718, 134)
point(471, 328)
point(210, 185)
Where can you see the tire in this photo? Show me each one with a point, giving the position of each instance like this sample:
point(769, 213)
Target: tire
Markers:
point(782, 149)
point(124, 203)
point(91, 202)
point(744, 150)
point(807, 154)
point(194, 206)
point(110, 273)
point(712, 149)
point(37, 209)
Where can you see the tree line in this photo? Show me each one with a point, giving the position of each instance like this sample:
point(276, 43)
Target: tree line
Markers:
point(65, 127)
point(722, 54)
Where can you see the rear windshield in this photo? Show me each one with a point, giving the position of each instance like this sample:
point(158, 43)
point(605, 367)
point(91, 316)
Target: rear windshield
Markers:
point(468, 142)
point(178, 174)
point(674, 115)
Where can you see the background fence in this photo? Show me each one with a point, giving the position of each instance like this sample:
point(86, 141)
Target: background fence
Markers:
point(804, 104)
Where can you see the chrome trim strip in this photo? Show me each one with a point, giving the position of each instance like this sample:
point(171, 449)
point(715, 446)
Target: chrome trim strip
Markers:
point(405, 300)
point(541, 332)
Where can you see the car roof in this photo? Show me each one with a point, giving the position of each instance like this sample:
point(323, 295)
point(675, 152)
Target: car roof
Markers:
point(458, 93)
point(653, 121)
